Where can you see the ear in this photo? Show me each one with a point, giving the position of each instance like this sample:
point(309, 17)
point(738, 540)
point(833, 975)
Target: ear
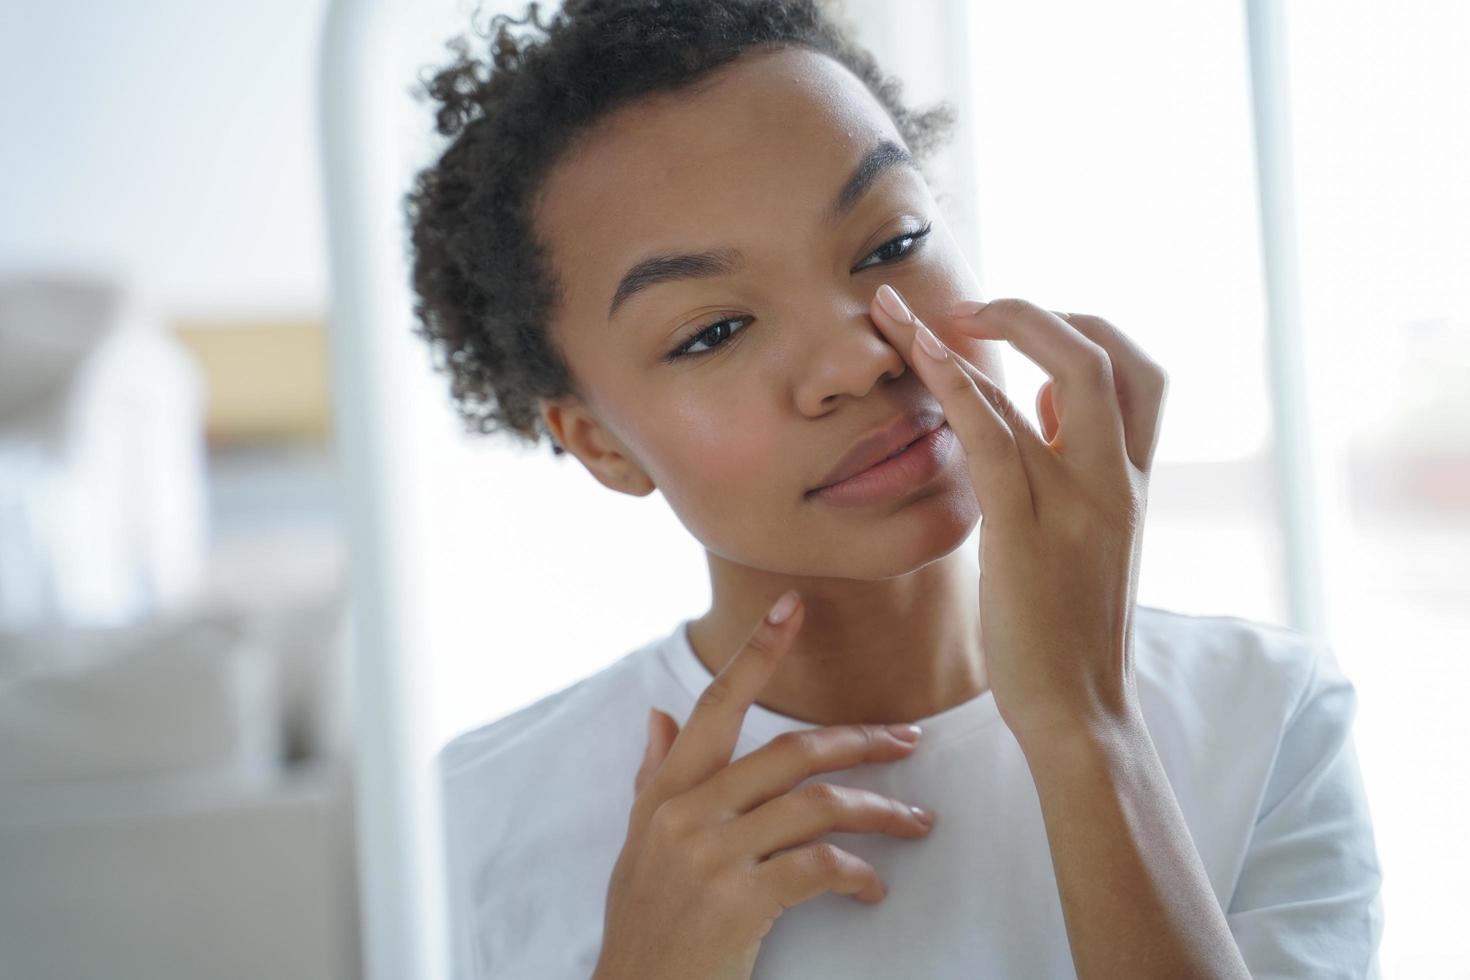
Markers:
point(578, 430)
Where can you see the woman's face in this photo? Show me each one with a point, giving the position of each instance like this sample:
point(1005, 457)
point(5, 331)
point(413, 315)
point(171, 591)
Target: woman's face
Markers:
point(758, 409)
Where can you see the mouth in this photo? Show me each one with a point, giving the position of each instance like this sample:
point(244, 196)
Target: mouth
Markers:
point(897, 452)
point(882, 445)
point(894, 477)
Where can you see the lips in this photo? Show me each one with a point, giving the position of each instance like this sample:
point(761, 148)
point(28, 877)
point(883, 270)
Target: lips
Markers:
point(878, 445)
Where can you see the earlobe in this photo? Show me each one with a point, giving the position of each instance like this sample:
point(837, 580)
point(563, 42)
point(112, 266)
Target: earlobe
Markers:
point(577, 430)
point(632, 482)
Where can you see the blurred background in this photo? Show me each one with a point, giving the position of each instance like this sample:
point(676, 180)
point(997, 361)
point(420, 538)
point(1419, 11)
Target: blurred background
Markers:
point(217, 728)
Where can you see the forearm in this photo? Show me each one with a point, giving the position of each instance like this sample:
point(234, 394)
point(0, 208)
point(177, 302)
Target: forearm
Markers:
point(1135, 897)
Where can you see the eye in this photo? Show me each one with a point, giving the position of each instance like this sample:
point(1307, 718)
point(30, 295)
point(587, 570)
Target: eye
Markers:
point(912, 236)
point(683, 350)
point(888, 253)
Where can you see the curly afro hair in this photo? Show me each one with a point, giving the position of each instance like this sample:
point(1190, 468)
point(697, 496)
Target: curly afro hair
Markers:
point(485, 286)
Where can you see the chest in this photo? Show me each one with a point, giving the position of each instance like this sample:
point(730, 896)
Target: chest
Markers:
point(976, 897)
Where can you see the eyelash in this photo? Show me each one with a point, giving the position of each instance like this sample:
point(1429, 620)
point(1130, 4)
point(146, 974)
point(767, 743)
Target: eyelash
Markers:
point(682, 350)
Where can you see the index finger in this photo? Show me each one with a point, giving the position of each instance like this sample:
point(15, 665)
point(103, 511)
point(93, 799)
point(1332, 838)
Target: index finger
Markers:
point(707, 740)
point(1081, 368)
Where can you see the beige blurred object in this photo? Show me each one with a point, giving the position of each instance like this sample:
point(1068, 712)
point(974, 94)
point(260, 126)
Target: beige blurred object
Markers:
point(267, 378)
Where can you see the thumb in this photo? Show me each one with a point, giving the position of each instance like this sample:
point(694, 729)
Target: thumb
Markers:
point(661, 733)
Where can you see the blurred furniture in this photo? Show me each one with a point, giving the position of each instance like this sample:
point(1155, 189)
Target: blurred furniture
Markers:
point(175, 798)
point(102, 468)
point(175, 787)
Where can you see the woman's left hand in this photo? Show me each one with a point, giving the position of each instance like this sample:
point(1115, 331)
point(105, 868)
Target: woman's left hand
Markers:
point(1061, 514)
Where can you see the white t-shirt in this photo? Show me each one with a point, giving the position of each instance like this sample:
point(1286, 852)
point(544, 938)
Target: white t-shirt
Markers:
point(1251, 721)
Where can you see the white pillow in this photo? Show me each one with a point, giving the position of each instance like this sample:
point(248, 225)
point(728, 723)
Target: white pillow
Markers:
point(192, 692)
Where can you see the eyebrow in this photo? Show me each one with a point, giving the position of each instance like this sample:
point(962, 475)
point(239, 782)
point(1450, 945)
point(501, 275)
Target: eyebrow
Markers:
point(884, 156)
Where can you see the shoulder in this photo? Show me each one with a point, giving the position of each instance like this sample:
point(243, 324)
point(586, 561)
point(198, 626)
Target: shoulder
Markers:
point(1235, 707)
point(1224, 665)
point(602, 700)
point(584, 739)
point(527, 800)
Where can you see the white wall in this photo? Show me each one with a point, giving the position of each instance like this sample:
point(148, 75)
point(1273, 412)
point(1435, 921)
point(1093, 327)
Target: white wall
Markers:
point(171, 141)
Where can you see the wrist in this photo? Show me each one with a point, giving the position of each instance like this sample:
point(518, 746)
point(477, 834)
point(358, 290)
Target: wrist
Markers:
point(1084, 740)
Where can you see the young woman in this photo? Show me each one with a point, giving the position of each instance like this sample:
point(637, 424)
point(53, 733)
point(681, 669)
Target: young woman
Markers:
point(692, 243)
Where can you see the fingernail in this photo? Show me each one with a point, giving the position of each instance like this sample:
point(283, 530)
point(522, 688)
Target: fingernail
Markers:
point(888, 299)
point(968, 307)
point(784, 607)
point(930, 343)
point(909, 733)
point(926, 817)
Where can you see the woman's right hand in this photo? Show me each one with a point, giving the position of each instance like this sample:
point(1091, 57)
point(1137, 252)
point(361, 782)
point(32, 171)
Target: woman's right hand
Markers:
point(716, 851)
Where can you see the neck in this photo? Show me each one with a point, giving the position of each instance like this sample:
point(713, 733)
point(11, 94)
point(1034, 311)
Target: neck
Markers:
point(872, 652)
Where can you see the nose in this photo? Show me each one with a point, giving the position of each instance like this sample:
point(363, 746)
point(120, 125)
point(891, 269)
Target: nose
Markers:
point(849, 355)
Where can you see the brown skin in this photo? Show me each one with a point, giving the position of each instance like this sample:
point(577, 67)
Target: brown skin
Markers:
point(735, 436)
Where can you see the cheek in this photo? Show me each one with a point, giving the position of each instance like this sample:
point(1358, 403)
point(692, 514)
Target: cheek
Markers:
point(724, 450)
point(716, 454)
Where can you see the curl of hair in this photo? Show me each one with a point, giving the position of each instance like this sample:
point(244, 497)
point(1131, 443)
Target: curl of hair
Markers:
point(485, 289)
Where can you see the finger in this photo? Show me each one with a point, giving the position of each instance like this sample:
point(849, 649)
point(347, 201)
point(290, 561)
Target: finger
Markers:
point(997, 471)
point(1140, 381)
point(1091, 432)
point(1046, 409)
point(816, 809)
point(1031, 442)
point(1037, 455)
point(795, 876)
point(790, 757)
point(705, 744)
point(662, 731)
point(1027, 438)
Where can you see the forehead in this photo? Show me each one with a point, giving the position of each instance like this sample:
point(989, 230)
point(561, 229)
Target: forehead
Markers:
point(769, 137)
